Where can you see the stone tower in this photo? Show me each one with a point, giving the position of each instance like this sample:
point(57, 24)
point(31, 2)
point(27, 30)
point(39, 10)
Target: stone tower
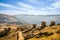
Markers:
point(52, 23)
point(34, 25)
point(43, 24)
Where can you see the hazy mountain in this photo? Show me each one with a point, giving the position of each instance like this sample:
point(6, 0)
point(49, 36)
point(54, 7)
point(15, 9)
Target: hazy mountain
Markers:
point(39, 18)
point(8, 19)
point(24, 18)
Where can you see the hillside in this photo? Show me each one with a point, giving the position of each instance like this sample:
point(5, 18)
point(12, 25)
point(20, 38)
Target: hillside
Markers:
point(7, 18)
point(4, 18)
point(48, 33)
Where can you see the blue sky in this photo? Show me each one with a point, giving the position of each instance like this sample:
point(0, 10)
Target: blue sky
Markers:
point(31, 7)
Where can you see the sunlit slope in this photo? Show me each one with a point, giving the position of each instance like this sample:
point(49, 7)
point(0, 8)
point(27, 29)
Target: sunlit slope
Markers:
point(55, 30)
point(48, 33)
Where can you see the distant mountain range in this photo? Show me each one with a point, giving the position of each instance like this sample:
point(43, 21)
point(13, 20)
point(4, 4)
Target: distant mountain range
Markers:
point(31, 19)
point(39, 18)
point(4, 18)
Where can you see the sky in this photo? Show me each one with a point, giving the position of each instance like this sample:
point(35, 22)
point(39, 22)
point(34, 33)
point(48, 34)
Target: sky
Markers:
point(31, 7)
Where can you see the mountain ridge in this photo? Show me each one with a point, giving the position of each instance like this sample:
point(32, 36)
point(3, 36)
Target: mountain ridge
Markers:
point(5, 18)
point(32, 19)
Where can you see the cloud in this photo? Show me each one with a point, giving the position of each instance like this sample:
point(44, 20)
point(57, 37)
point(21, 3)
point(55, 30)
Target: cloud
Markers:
point(7, 5)
point(29, 9)
point(54, 8)
point(56, 4)
point(32, 1)
point(12, 12)
point(25, 5)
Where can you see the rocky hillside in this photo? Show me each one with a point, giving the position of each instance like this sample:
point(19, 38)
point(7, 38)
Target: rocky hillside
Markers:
point(4, 18)
point(7, 18)
point(48, 33)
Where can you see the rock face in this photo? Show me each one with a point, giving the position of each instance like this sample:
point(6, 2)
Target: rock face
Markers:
point(4, 33)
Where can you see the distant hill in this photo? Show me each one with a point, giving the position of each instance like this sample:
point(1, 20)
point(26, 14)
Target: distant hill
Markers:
point(39, 18)
point(31, 19)
point(4, 18)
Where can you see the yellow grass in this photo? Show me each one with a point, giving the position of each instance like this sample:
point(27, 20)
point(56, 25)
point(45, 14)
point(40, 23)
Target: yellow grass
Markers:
point(49, 29)
point(52, 29)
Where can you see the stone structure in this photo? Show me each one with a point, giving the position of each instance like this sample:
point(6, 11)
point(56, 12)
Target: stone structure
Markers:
point(52, 23)
point(43, 24)
point(58, 24)
point(34, 25)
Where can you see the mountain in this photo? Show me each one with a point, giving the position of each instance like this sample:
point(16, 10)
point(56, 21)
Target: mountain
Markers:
point(31, 19)
point(4, 18)
point(39, 18)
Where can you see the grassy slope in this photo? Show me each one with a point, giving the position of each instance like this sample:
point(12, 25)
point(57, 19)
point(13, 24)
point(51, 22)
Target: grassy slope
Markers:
point(53, 29)
point(11, 36)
